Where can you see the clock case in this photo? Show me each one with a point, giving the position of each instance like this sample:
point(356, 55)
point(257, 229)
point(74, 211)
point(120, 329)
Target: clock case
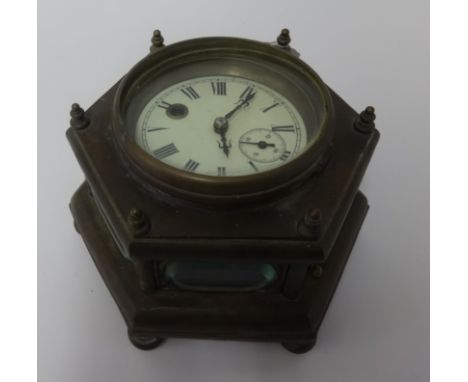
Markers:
point(307, 230)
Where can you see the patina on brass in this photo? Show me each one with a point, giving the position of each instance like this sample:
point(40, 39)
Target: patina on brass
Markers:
point(137, 214)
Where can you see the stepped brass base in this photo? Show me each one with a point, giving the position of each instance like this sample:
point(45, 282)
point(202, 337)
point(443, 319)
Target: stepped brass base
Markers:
point(248, 316)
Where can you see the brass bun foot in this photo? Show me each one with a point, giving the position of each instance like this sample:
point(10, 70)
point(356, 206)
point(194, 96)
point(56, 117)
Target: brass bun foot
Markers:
point(298, 347)
point(145, 342)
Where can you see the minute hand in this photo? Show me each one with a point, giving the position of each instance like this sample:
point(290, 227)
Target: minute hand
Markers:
point(244, 101)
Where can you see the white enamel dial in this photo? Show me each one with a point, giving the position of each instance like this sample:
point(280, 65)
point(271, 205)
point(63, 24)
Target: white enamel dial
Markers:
point(221, 126)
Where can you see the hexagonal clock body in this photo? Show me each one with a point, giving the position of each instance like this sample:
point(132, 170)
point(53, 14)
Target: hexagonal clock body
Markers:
point(221, 197)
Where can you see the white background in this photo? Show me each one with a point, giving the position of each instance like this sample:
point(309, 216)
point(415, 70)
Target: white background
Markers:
point(369, 52)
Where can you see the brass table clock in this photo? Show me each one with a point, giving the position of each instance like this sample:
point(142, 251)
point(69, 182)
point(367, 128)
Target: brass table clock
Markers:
point(221, 197)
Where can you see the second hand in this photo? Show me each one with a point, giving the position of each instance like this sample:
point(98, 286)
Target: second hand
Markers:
point(260, 144)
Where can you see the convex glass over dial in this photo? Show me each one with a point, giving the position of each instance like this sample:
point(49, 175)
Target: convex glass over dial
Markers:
point(221, 126)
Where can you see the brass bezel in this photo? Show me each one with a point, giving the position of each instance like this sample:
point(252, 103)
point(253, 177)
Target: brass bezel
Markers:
point(212, 188)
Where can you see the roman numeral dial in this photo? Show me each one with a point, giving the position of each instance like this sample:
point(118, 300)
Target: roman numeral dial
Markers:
point(257, 129)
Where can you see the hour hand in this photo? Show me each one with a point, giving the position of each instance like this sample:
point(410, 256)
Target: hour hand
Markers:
point(224, 145)
point(220, 127)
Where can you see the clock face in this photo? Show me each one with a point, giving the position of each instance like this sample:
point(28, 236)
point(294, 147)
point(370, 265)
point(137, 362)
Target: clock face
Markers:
point(220, 120)
point(221, 126)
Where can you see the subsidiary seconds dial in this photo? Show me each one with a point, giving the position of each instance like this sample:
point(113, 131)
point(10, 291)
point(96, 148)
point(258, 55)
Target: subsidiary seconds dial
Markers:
point(221, 126)
point(264, 146)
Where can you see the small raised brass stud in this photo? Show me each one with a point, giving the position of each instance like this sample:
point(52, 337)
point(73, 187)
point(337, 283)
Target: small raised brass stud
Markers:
point(313, 217)
point(284, 39)
point(157, 41)
point(78, 117)
point(317, 271)
point(311, 226)
point(364, 123)
point(138, 222)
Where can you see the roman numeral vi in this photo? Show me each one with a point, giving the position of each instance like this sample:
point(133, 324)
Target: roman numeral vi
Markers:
point(221, 171)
